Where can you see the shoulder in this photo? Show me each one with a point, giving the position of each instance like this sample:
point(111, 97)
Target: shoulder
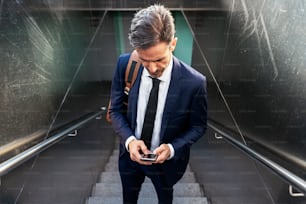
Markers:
point(124, 58)
point(187, 72)
point(122, 62)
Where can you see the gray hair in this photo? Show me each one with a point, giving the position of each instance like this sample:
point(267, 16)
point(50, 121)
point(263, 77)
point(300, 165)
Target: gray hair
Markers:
point(150, 26)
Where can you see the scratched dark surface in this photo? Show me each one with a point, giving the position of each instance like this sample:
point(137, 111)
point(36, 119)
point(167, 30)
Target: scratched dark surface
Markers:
point(255, 52)
point(43, 53)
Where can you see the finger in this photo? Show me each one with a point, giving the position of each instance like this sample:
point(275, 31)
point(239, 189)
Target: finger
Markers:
point(144, 148)
point(161, 157)
point(134, 156)
point(163, 154)
point(158, 150)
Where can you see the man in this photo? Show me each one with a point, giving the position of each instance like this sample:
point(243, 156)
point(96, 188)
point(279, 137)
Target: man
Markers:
point(181, 110)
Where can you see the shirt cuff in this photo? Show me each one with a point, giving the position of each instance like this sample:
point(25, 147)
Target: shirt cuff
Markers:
point(172, 152)
point(127, 142)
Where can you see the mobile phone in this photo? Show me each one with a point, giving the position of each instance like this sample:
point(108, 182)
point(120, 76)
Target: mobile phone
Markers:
point(148, 157)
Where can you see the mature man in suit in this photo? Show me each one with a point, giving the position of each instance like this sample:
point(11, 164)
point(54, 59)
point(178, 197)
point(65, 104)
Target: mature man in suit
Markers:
point(180, 115)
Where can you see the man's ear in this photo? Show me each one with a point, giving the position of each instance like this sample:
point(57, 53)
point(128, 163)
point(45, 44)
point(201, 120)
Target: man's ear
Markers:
point(173, 44)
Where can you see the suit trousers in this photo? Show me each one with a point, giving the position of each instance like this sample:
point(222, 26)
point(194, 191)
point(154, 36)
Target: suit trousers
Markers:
point(133, 175)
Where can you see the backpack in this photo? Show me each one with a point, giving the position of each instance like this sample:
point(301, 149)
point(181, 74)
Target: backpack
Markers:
point(131, 72)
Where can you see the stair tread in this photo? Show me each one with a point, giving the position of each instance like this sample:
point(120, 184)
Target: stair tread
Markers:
point(176, 200)
point(108, 190)
point(115, 189)
point(114, 177)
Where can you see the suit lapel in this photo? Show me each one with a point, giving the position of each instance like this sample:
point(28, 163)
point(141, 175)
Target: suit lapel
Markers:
point(173, 94)
point(170, 105)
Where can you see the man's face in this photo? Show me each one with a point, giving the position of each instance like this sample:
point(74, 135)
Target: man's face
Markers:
point(156, 58)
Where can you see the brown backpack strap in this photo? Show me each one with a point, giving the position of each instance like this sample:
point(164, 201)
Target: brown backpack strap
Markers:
point(131, 71)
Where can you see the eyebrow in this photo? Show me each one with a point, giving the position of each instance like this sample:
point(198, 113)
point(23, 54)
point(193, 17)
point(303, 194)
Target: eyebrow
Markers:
point(160, 59)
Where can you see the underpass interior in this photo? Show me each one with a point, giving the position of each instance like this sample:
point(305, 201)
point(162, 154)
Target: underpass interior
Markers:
point(57, 60)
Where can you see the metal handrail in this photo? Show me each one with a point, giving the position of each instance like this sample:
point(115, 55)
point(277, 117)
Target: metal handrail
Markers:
point(285, 174)
point(18, 144)
point(19, 159)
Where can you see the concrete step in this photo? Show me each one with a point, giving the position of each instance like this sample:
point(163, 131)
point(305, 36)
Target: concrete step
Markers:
point(176, 200)
point(147, 190)
point(114, 177)
point(108, 190)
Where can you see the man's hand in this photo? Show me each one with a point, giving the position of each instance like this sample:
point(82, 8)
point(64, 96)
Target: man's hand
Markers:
point(163, 152)
point(136, 148)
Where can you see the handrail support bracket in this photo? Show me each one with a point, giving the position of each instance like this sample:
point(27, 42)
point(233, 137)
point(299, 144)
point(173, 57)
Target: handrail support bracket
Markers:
point(73, 134)
point(217, 136)
point(295, 194)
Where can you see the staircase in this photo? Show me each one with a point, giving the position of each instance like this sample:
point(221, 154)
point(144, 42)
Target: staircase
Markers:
point(108, 189)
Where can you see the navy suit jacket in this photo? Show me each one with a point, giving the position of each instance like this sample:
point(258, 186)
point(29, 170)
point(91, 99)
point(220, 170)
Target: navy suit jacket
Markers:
point(185, 112)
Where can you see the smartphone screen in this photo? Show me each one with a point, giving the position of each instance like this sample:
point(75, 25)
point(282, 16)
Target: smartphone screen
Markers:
point(148, 157)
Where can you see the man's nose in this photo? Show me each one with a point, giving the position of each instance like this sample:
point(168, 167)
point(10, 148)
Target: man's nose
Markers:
point(151, 67)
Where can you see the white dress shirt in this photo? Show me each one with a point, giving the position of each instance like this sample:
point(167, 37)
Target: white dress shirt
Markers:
point(144, 93)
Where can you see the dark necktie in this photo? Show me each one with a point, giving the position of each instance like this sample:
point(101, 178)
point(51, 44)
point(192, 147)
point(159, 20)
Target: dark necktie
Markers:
point(148, 124)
